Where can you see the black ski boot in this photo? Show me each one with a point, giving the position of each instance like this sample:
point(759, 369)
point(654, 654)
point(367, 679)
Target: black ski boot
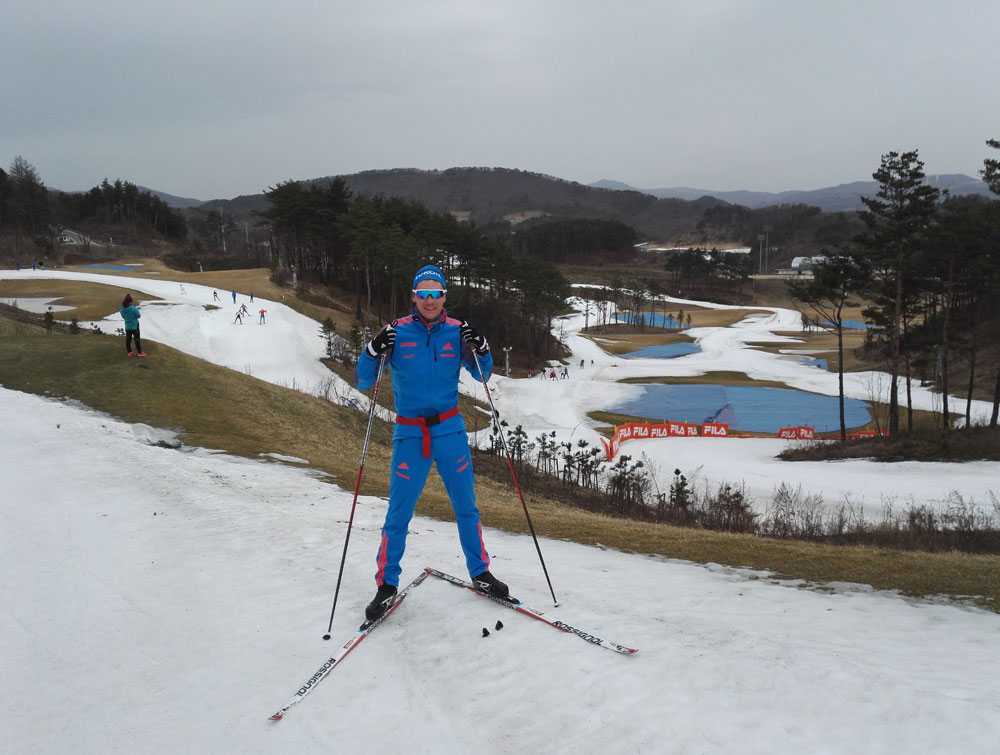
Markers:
point(381, 603)
point(487, 583)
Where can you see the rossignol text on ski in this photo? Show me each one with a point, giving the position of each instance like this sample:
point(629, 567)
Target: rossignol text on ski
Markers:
point(331, 663)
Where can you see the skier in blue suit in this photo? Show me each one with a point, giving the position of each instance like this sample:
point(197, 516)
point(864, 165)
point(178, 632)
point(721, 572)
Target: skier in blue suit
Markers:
point(425, 352)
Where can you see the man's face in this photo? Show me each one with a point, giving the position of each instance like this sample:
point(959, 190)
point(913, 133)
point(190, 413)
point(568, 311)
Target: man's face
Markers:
point(430, 308)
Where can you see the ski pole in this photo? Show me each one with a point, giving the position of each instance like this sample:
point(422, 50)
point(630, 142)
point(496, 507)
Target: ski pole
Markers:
point(517, 486)
point(357, 487)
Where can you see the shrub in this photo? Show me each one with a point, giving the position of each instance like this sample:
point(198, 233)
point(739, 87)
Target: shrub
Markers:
point(728, 510)
point(281, 277)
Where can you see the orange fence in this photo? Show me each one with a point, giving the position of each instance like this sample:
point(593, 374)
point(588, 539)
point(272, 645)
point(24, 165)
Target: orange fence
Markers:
point(636, 430)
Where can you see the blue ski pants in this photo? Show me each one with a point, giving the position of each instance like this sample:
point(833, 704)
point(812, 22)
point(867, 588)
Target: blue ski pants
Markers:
point(409, 474)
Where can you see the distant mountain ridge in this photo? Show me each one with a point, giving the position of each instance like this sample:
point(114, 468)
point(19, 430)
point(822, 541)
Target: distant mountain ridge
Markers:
point(492, 195)
point(181, 203)
point(427, 186)
point(840, 198)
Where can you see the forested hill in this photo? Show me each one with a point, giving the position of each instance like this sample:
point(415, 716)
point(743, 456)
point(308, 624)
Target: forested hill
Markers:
point(488, 195)
point(492, 194)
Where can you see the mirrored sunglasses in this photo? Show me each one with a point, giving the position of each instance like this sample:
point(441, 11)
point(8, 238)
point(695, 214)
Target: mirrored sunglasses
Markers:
point(430, 293)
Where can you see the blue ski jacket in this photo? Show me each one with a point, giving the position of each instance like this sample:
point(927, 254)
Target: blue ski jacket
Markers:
point(425, 363)
point(131, 316)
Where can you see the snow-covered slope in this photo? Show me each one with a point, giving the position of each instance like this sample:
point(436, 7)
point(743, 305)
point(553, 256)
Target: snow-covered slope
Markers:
point(160, 600)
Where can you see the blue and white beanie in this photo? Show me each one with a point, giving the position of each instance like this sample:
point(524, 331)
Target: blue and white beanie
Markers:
point(429, 272)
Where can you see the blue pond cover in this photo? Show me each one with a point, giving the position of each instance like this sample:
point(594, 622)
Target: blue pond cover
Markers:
point(851, 324)
point(666, 351)
point(744, 407)
point(655, 319)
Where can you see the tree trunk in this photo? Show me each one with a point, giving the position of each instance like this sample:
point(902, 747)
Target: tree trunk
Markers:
point(840, 379)
point(972, 382)
point(945, 317)
point(972, 364)
point(996, 401)
point(894, 351)
point(368, 283)
point(357, 295)
point(909, 396)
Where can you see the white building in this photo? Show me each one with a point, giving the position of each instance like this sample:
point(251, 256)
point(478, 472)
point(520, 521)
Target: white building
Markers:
point(805, 264)
point(65, 236)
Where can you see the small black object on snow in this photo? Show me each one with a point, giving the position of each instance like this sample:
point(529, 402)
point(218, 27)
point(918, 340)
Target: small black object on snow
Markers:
point(499, 624)
point(486, 632)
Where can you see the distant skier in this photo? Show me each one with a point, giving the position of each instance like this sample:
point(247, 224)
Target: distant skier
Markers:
point(239, 317)
point(130, 314)
point(234, 297)
point(251, 297)
point(183, 292)
point(262, 312)
point(215, 296)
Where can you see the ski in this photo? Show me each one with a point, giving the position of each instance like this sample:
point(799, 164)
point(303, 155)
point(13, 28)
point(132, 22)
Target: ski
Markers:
point(516, 605)
point(331, 663)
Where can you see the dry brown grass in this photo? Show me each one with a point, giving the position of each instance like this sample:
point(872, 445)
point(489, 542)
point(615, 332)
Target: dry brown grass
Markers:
point(90, 301)
point(824, 346)
point(720, 377)
point(701, 317)
point(623, 339)
point(625, 342)
point(93, 301)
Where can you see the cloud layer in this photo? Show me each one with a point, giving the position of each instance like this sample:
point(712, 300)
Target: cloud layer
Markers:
point(231, 97)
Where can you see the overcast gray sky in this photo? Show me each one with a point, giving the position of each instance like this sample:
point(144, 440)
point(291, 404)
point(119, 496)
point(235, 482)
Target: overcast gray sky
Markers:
point(227, 97)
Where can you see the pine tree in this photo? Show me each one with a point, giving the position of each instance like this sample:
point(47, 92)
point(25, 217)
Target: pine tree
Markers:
point(680, 493)
point(991, 175)
point(897, 220)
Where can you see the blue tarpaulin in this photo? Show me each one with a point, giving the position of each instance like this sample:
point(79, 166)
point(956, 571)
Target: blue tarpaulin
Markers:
point(745, 407)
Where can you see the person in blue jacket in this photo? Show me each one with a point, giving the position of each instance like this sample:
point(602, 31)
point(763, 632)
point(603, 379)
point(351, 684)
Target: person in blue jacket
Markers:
point(425, 352)
point(130, 314)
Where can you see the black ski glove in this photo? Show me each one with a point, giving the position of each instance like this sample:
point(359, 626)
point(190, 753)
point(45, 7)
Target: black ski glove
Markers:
point(474, 338)
point(381, 343)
